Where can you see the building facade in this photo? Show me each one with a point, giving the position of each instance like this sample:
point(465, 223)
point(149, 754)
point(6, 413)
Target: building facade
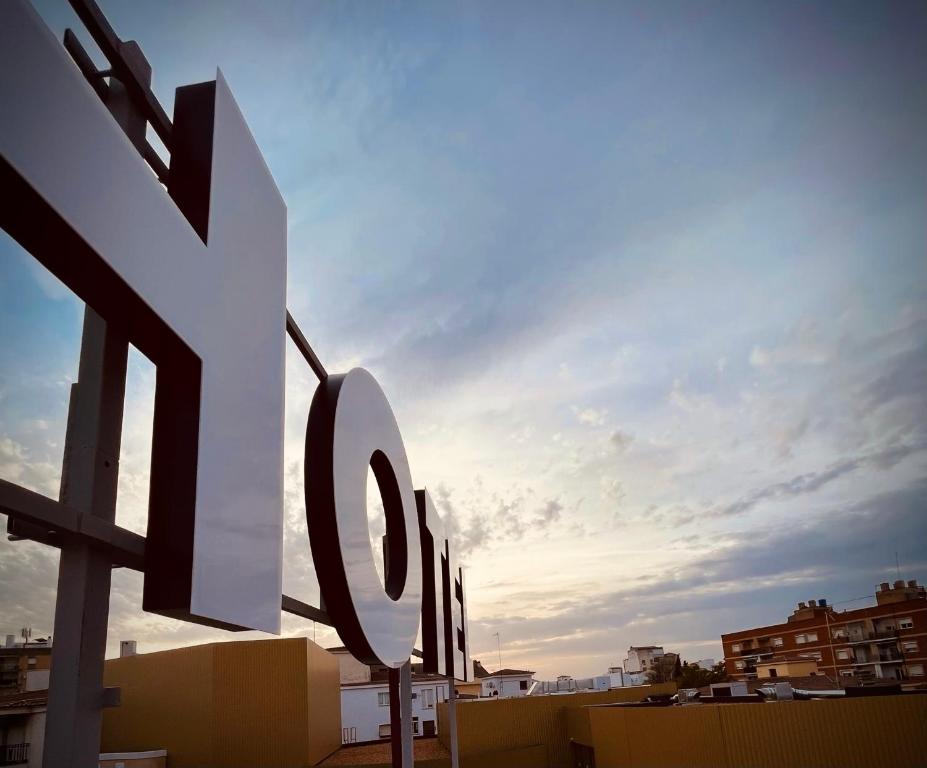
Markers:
point(365, 705)
point(269, 703)
point(24, 666)
point(642, 658)
point(506, 683)
point(365, 708)
point(884, 641)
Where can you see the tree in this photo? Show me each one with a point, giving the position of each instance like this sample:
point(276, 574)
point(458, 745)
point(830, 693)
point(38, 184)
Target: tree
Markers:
point(664, 669)
point(692, 676)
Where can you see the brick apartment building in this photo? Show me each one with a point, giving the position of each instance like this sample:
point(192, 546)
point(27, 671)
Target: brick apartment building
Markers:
point(887, 640)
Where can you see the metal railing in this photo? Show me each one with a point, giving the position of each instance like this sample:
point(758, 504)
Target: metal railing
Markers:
point(761, 651)
point(869, 637)
point(14, 754)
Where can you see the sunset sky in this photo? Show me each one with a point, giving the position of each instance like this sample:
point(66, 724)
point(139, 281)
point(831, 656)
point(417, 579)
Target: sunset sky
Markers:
point(644, 282)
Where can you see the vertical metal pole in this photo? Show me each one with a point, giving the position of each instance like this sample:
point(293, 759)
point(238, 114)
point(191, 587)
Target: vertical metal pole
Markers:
point(395, 720)
point(400, 716)
point(452, 721)
point(405, 708)
point(88, 483)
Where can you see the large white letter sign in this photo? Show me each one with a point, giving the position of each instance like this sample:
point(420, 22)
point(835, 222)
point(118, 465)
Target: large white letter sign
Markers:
point(197, 283)
point(434, 621)
point(352, 428)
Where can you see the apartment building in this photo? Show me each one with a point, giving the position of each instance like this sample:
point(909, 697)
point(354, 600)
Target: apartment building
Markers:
point(24, 666)
point(642, 658)
point(884, 641)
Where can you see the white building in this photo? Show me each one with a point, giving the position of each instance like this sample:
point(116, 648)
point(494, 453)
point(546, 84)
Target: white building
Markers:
point(618, 678)
point(642, 658)
point(365, 708)
point(505, 684)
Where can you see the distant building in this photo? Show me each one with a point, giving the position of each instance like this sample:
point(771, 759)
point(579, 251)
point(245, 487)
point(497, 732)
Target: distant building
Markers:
point(786, 667)
point(708, 664)
point(22, 728)
point(24, 666)
point(504, 683)
point(887, 640)
point(642, 658)
point(365, 708)
point(619, 678)
point(365, 705)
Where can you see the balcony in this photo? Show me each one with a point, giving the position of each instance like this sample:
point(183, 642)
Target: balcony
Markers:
point(759, 651)
point(14, 754)
point(870, 637)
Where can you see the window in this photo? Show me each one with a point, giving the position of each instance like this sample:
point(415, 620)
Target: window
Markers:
point(384, 731)
point(905, 623)
point(441, 694)
point(740, 664)
point(415, 730)
point(846, 672)
point(773, 673)
point(736, 647)
point(428, 699)
point(843, 654)
point(840, 632)
point(383, 699)
point(816, 655)
point(916, 670)
point(806, 637)
point(909, 646)
point(777, 642)
point(523, 685)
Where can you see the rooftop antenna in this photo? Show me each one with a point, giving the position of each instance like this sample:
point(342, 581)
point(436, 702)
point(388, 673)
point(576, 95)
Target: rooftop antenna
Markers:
point(499, 646)
point(897, 566)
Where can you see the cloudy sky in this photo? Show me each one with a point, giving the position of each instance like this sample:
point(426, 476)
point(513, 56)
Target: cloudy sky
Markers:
point(645, 284)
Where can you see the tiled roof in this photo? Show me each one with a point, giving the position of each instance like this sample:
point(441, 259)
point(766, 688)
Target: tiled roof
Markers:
point(24, 699)
point(518, 672)
point(416, 678)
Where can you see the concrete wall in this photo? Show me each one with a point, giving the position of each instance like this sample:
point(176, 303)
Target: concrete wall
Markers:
point(352, 670)
point(225, 705)
point(487, 727)
point(878, 732)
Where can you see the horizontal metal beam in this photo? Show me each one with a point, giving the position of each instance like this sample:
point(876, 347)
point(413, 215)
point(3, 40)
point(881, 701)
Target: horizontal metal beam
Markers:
point(97, 81)
point(299, 608)
point(115, 51)
point(303, 346)
point(45, 520)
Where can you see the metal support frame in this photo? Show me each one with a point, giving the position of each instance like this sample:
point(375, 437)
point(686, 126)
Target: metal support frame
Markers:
point(452, 721)
point(400, 716)
point(89, 478)
point(82, 522)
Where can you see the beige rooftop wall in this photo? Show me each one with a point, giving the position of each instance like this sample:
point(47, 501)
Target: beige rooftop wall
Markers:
point(261, 703)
